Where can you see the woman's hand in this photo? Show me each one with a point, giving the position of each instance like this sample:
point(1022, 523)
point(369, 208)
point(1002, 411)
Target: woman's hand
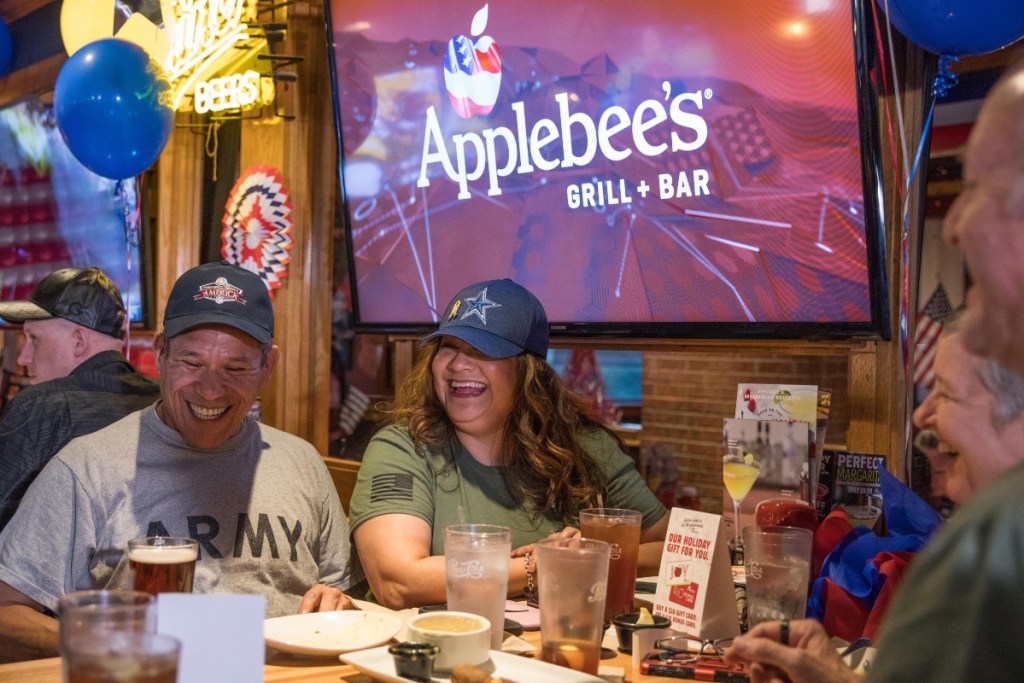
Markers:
point(567, 532)
point(809, 656)
point(530, 549)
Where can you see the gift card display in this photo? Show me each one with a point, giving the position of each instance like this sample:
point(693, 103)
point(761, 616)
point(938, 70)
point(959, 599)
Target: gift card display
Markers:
point(695, 589)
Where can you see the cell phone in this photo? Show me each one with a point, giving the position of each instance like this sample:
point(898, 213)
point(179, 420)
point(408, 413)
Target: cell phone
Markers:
point(522, 613)
point(433, 608)
point(703, 668)
point(511, 627)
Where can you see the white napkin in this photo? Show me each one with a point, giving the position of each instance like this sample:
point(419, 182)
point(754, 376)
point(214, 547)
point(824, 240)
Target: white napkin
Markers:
point(514, 645)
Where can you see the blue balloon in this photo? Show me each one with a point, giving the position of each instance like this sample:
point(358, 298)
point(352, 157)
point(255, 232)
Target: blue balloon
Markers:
point(113, 107)
point(958, 27)
point(6, 48)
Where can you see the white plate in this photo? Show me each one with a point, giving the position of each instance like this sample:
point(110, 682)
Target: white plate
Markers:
point(330, 633)
point(379, 665)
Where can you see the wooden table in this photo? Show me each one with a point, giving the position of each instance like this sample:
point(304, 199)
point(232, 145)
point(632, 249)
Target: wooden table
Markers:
point(299, 669)
point(283, 668)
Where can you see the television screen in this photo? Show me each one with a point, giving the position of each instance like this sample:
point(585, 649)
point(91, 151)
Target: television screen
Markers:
point(55, 213)
point(649, 168)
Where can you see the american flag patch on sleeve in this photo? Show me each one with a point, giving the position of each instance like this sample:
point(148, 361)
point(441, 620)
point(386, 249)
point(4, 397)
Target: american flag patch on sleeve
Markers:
point(394, 486)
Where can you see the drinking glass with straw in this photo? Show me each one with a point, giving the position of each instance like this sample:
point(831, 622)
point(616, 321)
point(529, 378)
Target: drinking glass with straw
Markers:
point(739, 472)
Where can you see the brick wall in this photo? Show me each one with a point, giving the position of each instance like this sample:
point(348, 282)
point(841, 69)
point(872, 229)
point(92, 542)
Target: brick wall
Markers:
point(687, 394)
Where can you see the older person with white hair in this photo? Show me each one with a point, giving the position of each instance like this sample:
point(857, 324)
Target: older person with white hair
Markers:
point(959, 613)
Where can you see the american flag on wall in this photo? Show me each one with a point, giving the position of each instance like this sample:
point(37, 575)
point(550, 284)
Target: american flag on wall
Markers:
point(930, 321)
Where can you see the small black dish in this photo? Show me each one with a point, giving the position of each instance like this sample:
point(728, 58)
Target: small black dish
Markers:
point(625, 624)
point(414, 661)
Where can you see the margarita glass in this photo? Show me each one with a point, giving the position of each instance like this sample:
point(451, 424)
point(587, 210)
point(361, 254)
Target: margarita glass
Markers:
point(739, 472)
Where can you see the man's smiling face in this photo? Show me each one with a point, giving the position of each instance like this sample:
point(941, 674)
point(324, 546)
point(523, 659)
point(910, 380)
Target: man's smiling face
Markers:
point(209, 378)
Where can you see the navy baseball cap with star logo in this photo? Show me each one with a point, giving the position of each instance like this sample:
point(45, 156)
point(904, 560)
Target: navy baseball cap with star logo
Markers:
point(498, 318)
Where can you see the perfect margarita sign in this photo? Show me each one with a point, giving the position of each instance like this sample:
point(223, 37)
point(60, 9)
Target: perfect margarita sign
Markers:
point(209, 49)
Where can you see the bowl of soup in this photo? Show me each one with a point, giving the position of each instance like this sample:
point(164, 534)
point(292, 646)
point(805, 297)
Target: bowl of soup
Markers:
point(461, 637)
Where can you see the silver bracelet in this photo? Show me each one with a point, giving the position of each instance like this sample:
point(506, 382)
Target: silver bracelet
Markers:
point(531, 589)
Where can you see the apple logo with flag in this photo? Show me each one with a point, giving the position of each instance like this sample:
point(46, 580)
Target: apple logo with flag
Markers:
point(472, 70)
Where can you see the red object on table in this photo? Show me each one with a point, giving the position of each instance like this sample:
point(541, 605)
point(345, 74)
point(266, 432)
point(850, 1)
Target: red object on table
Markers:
point(787, 512)
point(848, 617)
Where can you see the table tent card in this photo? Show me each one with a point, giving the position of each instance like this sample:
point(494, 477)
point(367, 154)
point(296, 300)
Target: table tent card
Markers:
point(695, 589)
point(221, 635)
point(777, 452)
point(786, 403)
point(851, 481)
point(824, 408)
point(777, 402)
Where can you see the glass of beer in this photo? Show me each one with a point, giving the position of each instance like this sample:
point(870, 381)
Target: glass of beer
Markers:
point(620, 529)
point(163, 564)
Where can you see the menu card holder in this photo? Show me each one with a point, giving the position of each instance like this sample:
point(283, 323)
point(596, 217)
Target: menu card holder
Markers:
point(221, 635)
point(695, 589)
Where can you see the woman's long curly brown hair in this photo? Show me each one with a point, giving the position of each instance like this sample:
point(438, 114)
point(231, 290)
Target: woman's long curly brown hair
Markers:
point(543, 460)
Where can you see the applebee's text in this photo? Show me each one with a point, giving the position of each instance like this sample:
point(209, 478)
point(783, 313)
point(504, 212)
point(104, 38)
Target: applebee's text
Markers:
point(548, 144)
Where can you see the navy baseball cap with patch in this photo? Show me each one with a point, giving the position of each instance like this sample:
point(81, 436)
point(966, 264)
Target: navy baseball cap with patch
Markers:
point(84, 296)
point(220, 294)
point(498, 318)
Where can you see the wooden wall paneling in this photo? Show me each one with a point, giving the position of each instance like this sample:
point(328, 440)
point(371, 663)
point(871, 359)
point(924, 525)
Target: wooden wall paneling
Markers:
point(862, 384)
point(302, 148)
point(263, 143)
point(37, 79)
point(403, 357)
point(179, 183)
point(315, 151)
point(343, 474)
point(12, 10)
point(880, 394)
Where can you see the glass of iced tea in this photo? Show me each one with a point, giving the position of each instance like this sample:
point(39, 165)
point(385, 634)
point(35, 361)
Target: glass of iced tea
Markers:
point(572, 576)
point(163, 564)
point(620, 529)
point(122, 657)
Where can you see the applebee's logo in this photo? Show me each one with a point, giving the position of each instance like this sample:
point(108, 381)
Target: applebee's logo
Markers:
point(472, 71)
point(473, 569)
point(597, 592)
point(572, 138)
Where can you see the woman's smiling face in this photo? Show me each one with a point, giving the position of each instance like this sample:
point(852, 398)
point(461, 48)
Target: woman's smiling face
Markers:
point(477, 391)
